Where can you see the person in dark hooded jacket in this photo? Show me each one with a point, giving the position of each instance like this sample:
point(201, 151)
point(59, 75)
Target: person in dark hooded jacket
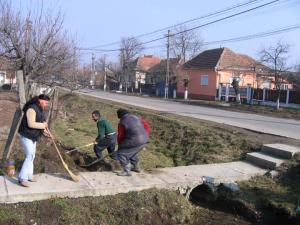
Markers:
point(132, 138)
point(32, 127)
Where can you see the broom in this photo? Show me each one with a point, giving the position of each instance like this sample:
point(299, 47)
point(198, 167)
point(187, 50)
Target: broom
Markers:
point(73, 176)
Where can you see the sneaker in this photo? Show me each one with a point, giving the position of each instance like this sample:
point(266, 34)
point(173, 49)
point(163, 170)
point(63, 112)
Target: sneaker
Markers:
point(124, 173)
point(24, 183)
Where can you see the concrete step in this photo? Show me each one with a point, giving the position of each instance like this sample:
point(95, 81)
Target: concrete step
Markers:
point(280, 150)
point(264, 160)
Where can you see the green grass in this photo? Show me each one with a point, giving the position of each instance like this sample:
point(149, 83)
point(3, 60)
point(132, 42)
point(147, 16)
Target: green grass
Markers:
point(159, 207)
point(282, 192)
point(11, 216)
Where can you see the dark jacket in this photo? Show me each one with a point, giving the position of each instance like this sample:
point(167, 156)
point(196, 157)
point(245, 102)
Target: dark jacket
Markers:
point(133, 131)
point(31, 133)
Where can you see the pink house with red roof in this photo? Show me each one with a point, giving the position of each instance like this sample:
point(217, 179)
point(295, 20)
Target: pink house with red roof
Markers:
point(214, 68)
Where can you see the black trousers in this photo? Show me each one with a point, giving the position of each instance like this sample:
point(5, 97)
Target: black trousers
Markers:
point(109, 143)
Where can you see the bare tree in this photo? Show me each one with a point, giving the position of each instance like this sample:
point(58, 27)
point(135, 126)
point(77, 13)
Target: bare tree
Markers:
point(276, 58)
point(130, 47)
point(35, 41)
point(186, 44)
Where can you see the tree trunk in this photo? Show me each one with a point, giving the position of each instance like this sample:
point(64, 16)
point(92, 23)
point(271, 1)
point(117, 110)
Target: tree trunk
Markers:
point(186, 94)
point(278, 100)
point(238, 98)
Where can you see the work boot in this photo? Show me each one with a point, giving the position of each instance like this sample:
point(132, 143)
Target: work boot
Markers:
point(115, 166)
point(136, 168)
point(124, 173)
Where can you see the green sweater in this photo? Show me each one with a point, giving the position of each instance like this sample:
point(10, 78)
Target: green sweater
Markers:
point(104, 128)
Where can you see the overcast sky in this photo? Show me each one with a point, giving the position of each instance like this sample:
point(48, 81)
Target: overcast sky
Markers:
point(97, 22)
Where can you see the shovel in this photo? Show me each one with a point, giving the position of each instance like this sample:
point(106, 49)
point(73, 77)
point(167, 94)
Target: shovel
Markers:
point(78, 148)
point(73, 176)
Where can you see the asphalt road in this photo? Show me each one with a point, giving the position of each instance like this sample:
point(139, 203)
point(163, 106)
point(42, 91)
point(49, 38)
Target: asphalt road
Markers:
point(265, 124)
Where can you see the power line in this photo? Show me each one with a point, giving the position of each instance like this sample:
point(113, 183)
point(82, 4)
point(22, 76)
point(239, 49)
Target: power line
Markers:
point(225, 18)
point(190, 29)
point(215, 13)
point(209, 23)
point(242, 38)
point(257, 35)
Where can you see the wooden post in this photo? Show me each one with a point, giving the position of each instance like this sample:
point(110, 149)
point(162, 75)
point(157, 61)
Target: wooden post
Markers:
point(17, 118)
point(53, 106)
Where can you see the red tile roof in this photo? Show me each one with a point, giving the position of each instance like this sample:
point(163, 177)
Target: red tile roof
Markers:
point(205, 60)
point(222, 58)
point(146, 62)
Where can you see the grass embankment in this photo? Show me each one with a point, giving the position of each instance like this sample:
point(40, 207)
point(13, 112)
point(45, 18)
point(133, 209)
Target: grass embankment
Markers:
point(262, 200)
point(278, 196)
point(155, 207)
point(174, 141)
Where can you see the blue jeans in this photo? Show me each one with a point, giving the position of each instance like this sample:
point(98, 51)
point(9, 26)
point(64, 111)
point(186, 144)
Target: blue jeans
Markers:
point(108, 142)
point(29, 148)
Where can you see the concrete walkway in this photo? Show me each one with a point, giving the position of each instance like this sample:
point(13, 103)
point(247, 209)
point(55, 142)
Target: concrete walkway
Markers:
point(270, 125)
point(107, 183)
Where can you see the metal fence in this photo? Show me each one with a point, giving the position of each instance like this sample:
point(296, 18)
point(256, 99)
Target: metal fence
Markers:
point(264, 95)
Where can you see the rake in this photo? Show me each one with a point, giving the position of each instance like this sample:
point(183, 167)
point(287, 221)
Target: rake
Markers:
point(73, 176)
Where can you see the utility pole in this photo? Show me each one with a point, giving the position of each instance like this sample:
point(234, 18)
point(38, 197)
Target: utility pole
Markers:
point(92, 81)
point(74, 69)
point(104, 62)
point(104, 87)
point(168, 66)
point(124, 62)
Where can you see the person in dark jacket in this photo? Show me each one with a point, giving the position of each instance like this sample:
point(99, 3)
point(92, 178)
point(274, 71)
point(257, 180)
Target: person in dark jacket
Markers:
point(106, 137)
point(32, 127)
point(132, 138)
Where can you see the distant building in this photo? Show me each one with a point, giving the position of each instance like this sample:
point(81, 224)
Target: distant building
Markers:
point(156, 77)
point(135, 71)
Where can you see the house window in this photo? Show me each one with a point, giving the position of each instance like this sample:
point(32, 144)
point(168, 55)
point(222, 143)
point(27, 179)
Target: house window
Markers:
point(204, 80)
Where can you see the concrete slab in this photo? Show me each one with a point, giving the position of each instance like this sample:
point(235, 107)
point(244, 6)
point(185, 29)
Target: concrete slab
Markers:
point(183, 178)
point(281, 150)
point(244, 171)
point(108, 183)
point(3, 190)
point(178, 178)
point(48, 186)
point(263, 160)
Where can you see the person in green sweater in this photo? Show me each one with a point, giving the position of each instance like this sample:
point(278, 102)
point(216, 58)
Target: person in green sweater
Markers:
point(106, 138)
